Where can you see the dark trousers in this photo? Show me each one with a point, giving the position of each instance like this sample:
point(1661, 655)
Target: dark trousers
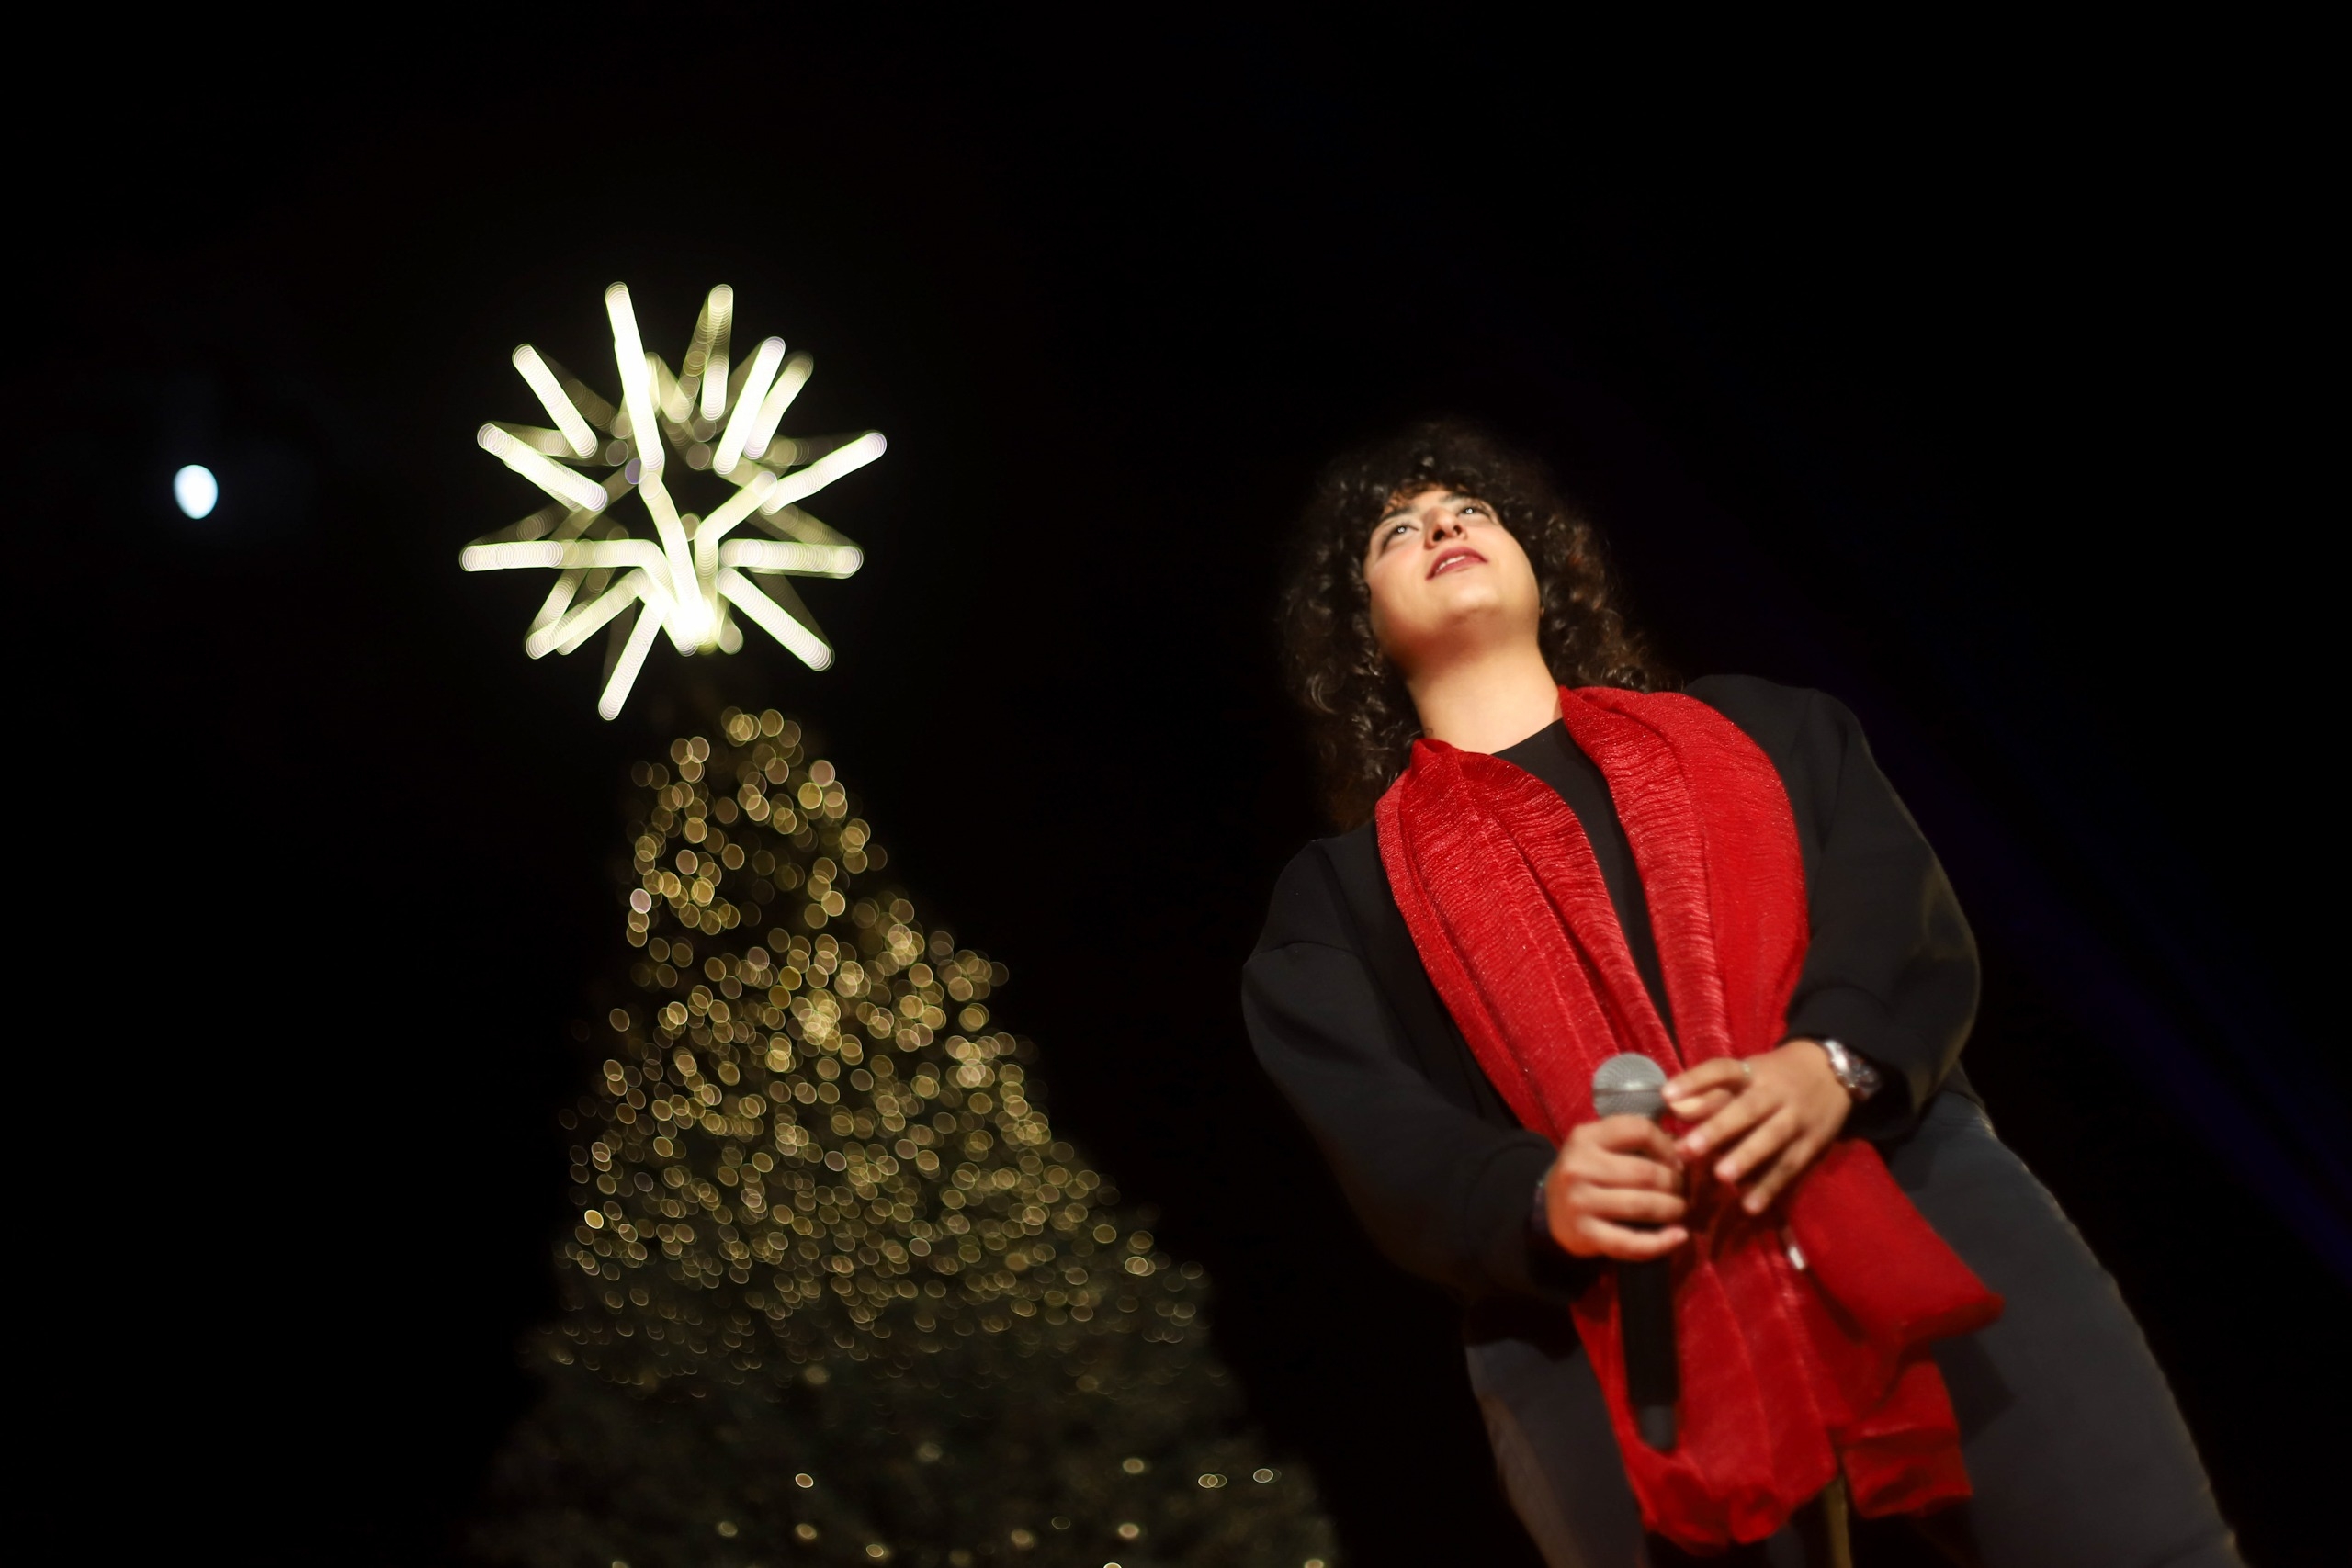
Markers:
point(2077, 1454)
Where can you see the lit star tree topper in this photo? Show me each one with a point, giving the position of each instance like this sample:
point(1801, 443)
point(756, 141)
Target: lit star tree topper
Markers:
point(691, 580)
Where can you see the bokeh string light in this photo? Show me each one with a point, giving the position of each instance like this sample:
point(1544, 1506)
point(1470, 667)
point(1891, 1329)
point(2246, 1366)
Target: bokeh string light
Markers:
point(690, 579)
point(818, 1191)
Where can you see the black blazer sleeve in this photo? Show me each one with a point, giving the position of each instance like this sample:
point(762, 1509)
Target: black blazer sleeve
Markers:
point(1444, 1194)
point(1892, 972)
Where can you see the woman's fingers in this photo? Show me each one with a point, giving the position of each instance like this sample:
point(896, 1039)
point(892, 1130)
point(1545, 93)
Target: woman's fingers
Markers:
point(1629, 1205)
point(1623, 1151)
point(1729, 1123)
point(1700, 1106)
point(1615, 1175)
point(1722, 1074)
point(1628, 1135)
point(1628, 1245)
point(1768, 1137)
point(1795, 1156)
point(1765, 1118)
point(1602, 1170)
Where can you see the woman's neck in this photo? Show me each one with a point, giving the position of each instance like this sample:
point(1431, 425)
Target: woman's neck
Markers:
point(1487, 701)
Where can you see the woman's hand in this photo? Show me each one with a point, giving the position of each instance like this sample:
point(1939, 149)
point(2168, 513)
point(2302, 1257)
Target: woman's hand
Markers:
point(1772, 1113)
point(1615, 1190)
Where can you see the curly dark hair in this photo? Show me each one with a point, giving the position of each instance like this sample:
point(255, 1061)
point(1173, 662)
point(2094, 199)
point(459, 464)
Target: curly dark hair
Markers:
point(1364, 717)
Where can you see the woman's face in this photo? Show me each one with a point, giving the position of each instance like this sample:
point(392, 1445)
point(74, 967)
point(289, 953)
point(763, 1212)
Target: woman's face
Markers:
point(1447, 579)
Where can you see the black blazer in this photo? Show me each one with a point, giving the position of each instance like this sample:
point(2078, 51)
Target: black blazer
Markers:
point(1345, 1021)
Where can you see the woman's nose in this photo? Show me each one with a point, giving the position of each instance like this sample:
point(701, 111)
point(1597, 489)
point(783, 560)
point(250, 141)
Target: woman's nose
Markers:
point(1445, 526)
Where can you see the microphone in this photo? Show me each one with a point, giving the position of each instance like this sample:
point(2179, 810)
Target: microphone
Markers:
point(1631, 1085)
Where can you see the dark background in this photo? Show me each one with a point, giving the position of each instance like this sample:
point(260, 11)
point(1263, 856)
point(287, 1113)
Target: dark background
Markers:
point(1962, 375)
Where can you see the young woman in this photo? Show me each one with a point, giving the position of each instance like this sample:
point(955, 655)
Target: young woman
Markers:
point(1550, 858)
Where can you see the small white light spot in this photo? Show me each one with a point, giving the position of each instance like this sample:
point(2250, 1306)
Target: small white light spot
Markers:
point(196, 490)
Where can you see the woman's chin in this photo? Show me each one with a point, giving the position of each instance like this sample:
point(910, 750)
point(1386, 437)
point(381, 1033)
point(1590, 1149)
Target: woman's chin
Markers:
point(1468, 635)
point(1474, 602)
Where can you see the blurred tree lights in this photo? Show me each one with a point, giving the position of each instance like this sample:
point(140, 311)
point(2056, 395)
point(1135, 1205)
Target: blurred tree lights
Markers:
point(836, 1293)
point(690, 579)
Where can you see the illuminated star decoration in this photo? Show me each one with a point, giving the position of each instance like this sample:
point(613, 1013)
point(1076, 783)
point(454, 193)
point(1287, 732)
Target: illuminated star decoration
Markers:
point(690, 579)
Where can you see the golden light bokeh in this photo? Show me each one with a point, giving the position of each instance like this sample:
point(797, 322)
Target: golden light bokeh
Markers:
point(815, 1169)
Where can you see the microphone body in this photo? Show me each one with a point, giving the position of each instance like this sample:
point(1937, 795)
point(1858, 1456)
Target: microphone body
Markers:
point(1634, 1085)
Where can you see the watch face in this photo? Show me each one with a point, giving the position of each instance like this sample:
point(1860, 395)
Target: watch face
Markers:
point(1851, 1070)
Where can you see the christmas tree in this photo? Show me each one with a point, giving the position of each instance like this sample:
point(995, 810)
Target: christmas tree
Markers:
point(837, 1292)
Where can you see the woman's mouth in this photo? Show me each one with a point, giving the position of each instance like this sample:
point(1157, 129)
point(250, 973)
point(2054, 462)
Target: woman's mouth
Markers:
point(1455, 560)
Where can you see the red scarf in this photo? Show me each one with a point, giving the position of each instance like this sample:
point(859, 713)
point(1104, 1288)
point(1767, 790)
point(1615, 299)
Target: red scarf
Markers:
point(1790, 1371)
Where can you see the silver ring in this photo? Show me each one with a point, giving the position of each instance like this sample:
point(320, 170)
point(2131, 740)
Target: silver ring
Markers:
point(1747, 1073)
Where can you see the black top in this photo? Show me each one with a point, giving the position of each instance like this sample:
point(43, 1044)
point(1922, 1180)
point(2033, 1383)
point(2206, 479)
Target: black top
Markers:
point(1347, 1024)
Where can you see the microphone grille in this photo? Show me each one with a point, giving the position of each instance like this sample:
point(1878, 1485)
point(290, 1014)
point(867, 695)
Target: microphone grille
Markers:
point(1629, 1084)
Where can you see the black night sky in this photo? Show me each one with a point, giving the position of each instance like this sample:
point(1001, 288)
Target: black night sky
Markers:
point(1966, 379)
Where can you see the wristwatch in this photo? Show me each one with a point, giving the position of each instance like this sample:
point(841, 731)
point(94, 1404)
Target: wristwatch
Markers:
point(1860, 1078)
